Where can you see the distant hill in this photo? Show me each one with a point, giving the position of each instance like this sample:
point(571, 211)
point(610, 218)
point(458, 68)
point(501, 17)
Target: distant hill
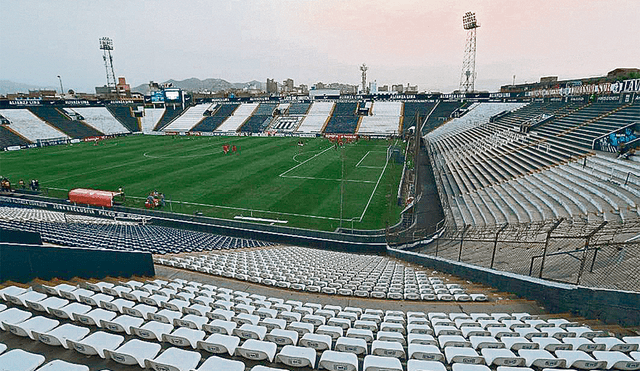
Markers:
point(9, 87)
point(195, 84)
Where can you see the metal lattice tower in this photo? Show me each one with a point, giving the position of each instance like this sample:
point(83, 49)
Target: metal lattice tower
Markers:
point(364, 69)
point(468, 75)
point(106, 44)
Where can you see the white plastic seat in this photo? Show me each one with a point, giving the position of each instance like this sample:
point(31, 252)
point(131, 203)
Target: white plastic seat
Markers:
point(95, 316)
point(134, 352)
point(615, 344)
point(174, 359)
point(257, 350)
point(11, 290)
point(164, 315)
point(117, 305)
point(541, 358)
point(351, 345)
point(45, 305)
point(300, 327)
point(334, 331)
point(271, 323)
point(425, 352)
point(214, 363)
point(295, 356)
point(446, 330)
point(282, 337)
point(139, 310)
point(387, 349)
point(122, 323)
point(516, 343)
point(366, 325)
point(580, 359)
point(183, 337)
point(191, 321)
point(316, 341)
point(218, 326)
point(414, 328)
point(583, 344)
point(501, 357)
point(583, 331)
point(377, 363)
point(20, 299)
point(391, 336)
point(481, 342)
point(60, 365)
point(13, 316)
point(421, 339)
point(395, 327)
point(96, 343)
point(59, 335)
point(462, 355)
point(551, 344)
point(556, 332)
point(338, 361)
point(467, 367)
point(20, 360)
point(197, 309)
point(248, 331)
point(39, 324)
point(223, 314)
point(418, 365)
point(69, 310)
point(453, 341)
point(367, 335)
point(340, 322)
point(617, 360)
point(219, 343)
point(152, 330)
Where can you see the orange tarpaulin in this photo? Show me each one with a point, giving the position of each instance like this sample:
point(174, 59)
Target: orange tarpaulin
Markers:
point(92, 197)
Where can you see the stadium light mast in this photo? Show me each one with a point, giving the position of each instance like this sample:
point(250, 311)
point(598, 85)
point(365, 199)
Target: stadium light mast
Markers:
point(364, 69)
point(468, 76)
point(61, 88)
point(106, 45)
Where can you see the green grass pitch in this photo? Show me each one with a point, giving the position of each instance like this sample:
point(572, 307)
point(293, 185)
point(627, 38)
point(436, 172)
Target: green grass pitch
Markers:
point(269, 177)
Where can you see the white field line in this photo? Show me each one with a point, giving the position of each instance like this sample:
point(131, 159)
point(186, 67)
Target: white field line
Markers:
point(374, 189)
point(305, 161)
point(362, 159)
point(330, 179)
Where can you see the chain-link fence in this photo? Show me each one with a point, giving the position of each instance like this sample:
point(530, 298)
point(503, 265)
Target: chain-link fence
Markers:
point(595, 254)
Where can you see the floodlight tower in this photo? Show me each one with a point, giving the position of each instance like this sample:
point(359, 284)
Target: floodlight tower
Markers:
point(468, 76)
point(106, 45)
point(364, 69)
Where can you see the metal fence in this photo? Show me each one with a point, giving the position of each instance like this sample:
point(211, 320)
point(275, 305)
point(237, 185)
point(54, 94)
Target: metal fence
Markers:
point(595, 254)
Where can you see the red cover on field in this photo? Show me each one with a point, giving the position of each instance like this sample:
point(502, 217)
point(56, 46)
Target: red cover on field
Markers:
point(92, 197)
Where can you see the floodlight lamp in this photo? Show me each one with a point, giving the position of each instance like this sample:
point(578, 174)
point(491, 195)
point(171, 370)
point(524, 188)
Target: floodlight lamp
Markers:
point(106, 43)
point(469, 21)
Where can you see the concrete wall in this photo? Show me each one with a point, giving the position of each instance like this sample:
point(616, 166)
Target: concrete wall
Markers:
point(609, 306)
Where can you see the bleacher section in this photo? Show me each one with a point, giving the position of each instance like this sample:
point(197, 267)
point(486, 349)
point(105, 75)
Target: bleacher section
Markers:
point(221, 113)
point(260, 119)
point(151, 118)
point(125, 116)
point(344, 118)
point(239, 116)
point(30, 126)
point(476, 114)
point(409, 110)
point(181, 324)
point(297, 108)
point(62, 122)
point(384, 119)
point(100, 119)
point(171, 112)
point(9, 138)
point(190, 118)
point(440, 114)
point(316, 118)
point(494, 174)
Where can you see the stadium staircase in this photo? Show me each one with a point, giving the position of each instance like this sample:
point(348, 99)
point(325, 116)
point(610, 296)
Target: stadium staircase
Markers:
point(61, 121)
point(125, 116)
point(344, 119)
point(217, 117)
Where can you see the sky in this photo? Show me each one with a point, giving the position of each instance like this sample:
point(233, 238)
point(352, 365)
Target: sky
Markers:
point(402, 41)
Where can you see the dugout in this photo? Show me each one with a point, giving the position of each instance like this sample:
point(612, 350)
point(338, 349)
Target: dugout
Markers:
point(95, 197)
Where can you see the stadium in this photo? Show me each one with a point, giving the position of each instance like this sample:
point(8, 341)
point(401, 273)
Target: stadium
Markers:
point(463, 231)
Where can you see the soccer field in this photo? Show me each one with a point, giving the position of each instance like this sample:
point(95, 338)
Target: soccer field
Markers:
point(268, 177)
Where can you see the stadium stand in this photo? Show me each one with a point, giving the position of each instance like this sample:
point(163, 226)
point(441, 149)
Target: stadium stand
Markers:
point(344, 118)
point(316, 271)
point(316, 118)
point(189, 325)
point(440, 114)
point(29, 126)
point(171, 112)
point(151, 118)
point(8, 138)
point(260, 119)
point(221, 113)
point(299, 108)
point(385, 119)
point(238, 117)
point(410, 109)
point(100, 119)
point(190, 118)
point(289, 118)
point(125, 115)
point(62, 122)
